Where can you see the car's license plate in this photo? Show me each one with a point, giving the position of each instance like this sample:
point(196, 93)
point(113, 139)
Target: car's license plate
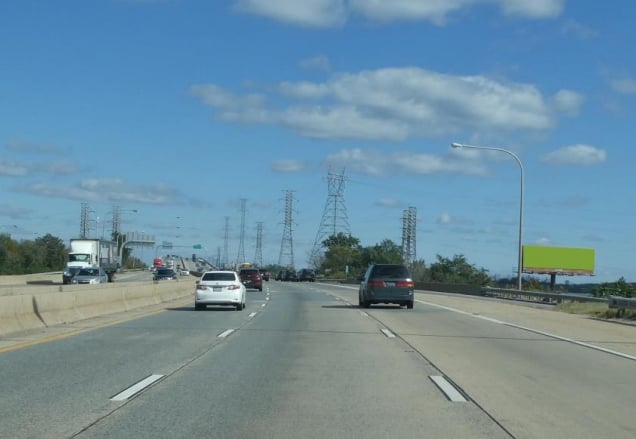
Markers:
point(389, 284)
point(216, 289)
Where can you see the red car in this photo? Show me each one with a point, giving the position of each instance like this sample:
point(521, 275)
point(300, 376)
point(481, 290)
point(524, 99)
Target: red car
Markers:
point(251, 278)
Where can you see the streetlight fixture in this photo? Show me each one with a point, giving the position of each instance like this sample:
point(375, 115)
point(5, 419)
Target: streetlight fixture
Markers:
point(510, 153)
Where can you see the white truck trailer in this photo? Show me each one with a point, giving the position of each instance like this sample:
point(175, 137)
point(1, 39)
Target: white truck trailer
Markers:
point(91, 253)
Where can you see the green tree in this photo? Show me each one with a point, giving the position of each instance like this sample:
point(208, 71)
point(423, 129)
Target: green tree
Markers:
point(618, 288)
point(342, 251)
point(457, 270)
point(386, 252)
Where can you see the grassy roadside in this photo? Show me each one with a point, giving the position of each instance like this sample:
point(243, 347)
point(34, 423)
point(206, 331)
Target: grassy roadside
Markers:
point(599, 310)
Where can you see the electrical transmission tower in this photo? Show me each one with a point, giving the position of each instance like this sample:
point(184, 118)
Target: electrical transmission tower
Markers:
point(258, 256)
point(286, 255)
point(241, 251)
point(409, 221)
point(84, 222)
point(334, 218)
point(226, 236)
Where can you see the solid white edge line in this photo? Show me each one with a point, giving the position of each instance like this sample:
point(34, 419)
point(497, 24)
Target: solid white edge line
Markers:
point(536, 331)
point(225, 333)
point(447, 388)
point(362, 313)
point(136, 388)
point(388, 333)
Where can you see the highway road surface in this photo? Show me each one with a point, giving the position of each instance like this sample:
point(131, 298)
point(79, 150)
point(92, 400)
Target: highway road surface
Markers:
point(303, 361)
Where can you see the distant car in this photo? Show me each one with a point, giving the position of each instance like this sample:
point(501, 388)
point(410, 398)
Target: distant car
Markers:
point(165, 274)
point(264, 274)
point(280, 275)
point(306, 275)
point(91, 276)
point(251, 278)
point(290, 276)
point(387, 283)
point(221, 288)
point(69, 273)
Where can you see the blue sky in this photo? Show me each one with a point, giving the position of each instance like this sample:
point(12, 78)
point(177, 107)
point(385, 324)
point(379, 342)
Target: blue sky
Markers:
point(178, 109)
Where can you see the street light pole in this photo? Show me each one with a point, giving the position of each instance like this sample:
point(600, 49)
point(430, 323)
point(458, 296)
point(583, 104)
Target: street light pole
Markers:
point(520, 245)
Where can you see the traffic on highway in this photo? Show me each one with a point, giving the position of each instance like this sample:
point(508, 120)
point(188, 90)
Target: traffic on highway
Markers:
point(304, 360)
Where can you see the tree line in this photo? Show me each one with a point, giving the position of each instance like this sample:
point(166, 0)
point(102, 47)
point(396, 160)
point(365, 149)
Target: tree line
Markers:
point(43, 254)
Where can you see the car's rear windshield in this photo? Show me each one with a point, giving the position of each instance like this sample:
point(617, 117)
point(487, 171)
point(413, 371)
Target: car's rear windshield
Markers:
point(390, 271)
point(218, 276)
point(250, 272)
point(165, 271)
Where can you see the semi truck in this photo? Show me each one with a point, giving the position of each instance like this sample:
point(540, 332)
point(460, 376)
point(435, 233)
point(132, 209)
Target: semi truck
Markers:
point(91, 253)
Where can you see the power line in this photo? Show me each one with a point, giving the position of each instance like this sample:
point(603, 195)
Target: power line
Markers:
point(409, 241)
point(334, 218)
point(286, 255)
point(241, 251)
point(258, 256)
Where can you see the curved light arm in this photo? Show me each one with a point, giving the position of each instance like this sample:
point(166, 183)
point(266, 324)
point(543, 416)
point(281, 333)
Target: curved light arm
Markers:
point(520, 245)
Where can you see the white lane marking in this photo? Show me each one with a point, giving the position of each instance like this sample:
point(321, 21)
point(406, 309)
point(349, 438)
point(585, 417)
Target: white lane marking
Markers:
point(388, 333)
point(263, 305)
point(447, 388)
point(136, 388)
point(536, 331)
point(225, 333)
point(362, 313)
point(251, 315)
point(267, 298)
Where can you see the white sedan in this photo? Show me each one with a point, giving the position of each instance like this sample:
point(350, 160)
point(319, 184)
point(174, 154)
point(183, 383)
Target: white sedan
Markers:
point(221, 288)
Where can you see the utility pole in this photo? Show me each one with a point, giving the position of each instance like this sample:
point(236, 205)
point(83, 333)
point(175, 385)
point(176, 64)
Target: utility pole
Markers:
point(334, 218)
point(286, 255)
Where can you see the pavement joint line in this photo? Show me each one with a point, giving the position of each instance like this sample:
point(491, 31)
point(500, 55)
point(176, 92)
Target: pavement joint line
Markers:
point(536, 331)
point(388, 333)
point(447, 389)
point(136, 388)
point(225, 333)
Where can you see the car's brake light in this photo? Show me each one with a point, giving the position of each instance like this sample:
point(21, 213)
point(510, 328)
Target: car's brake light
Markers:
point(376, 283)
point(405, 284)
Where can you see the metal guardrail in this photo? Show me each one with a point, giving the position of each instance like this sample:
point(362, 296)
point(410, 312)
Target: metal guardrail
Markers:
point(621, 303)
point(536, 296)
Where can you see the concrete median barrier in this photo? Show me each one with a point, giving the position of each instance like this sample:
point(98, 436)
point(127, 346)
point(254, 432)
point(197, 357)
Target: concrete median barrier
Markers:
point(17, 313)
point(37, 307)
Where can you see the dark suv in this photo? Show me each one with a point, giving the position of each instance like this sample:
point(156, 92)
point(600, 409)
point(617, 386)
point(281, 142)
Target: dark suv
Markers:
point(251, 278)
point(387, 283)
point(306, 275)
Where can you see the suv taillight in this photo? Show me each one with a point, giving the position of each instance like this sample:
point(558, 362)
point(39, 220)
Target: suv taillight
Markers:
point(405, 284)
point(376, 283)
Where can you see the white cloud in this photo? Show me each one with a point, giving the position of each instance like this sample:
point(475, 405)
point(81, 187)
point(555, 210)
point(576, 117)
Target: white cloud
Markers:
point(568, 102)
point(543, 241)
point(333, 13)
point(624, 86)
point(12, 169)
point(579, 29)
point(581, 155)
point(309, 13)
point(319, 62)
point(287, 166)
point(378, 163)
point(105, 189)
point(395, 104)
point(388, 203)
point(22, 146)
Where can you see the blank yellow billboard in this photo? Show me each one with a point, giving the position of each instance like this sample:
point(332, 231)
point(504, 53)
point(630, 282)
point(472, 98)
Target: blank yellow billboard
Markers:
point(565, 260)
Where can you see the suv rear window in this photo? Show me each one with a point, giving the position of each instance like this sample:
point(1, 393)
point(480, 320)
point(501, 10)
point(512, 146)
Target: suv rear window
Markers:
point(250, 272)
point(390, 271)
point(218, 276)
